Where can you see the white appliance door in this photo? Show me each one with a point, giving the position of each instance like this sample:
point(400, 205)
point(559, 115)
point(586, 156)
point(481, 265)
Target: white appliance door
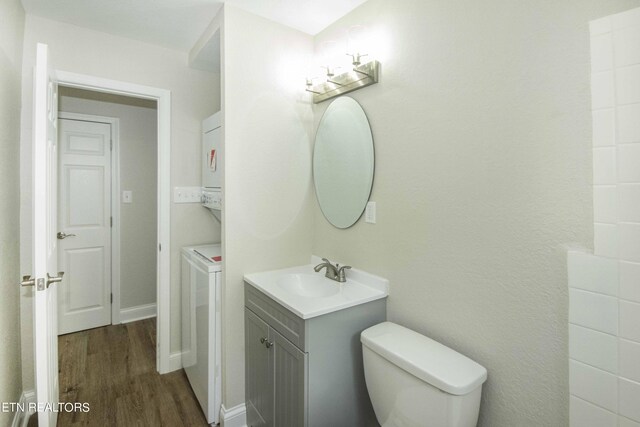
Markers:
point(212, 161)
point(44, 175)
point(199, 370)
point(188, 304)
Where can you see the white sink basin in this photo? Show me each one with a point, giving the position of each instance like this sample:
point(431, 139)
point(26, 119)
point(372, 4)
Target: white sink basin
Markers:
point(308, 285)
point(309, 294)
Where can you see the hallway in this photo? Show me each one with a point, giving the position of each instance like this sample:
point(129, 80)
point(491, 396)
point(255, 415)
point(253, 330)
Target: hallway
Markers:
point(113, 368)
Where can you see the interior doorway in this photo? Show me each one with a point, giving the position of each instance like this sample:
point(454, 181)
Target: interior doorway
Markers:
point(162, 100)
point(107, 205)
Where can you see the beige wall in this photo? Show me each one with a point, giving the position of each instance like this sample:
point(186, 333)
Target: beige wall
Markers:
point(482, 132)
point(11, 37)
point(194, 96)
point(267, 160)
point(138, 142)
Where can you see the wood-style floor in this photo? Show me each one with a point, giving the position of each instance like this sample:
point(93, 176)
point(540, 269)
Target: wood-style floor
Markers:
point(114, 369)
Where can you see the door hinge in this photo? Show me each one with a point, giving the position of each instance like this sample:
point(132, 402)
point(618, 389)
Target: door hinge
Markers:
point(111, 298)
point(111, 145)
point(111, 221)
point(160, 247)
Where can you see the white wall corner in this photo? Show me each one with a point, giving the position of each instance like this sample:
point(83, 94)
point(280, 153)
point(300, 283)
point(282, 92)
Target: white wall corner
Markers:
point(233, 417)
point(139, 312)
point(21, 418)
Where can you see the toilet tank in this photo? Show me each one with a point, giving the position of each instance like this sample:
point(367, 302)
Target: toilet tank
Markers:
point(415, 381)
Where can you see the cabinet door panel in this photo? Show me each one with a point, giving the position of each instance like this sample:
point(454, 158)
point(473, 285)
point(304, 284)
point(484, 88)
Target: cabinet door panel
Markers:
point(290, 382)
point(259, 373)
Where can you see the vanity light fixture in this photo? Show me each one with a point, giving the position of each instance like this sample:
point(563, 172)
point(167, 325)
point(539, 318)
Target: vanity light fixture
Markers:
point(360, 75)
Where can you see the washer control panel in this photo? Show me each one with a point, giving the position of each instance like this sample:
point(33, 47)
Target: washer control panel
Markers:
point(212, 198)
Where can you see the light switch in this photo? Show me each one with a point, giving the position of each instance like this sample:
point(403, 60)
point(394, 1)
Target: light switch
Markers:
point(127, 196)
point(370, 213)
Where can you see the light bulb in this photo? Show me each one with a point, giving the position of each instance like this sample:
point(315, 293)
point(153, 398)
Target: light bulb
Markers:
point(330, 57)
point(357, 43)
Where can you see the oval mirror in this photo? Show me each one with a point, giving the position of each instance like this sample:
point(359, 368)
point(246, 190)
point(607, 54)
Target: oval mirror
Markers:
point(343, 162)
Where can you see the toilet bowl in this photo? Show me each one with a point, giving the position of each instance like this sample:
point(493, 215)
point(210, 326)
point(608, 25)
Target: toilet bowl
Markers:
point(415, 381)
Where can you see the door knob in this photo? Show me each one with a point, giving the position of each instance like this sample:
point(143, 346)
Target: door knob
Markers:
point(61, 235)
point(262, 340)
point(28, 281)
point(54, 279)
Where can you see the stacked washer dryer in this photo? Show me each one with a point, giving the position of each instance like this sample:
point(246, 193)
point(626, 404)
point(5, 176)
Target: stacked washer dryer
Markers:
point(201, 287)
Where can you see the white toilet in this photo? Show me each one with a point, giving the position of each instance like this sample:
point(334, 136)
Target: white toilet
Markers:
point(416, 381)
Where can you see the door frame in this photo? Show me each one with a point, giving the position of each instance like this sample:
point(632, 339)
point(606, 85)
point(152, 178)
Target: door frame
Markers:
point(163, 263)
point(114, 123)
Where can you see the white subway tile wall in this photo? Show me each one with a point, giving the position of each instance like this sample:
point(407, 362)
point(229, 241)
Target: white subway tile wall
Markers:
point(628, 126)
point(626, 422)
point(604, 128)
point(605, 238)
point(593, 273)
point(594, 385)
point(604, 288)
point(626, 19)
point(629, 239)
point(630, 281)
point(602, 90)
point(628, 85)
point(627, 45)
point(629, 398)
point(628, 196)
point(595, 348)
point(629, 360)
point(585, 414)
point(629, 321)
point(604, 166)
point(600, 26)
point(605, 204)
point(628, 158)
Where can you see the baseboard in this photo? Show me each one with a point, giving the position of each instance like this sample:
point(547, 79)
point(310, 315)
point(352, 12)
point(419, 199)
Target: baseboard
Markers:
point(21, 418)
point(175, 361)
point(233, 417)
point(139, 312)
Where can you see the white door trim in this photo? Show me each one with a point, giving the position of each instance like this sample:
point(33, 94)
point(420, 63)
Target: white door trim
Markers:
point(115, 202)
point(163, 282)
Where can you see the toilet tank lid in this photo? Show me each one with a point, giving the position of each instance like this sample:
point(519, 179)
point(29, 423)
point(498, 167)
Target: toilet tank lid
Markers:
point(425, 358)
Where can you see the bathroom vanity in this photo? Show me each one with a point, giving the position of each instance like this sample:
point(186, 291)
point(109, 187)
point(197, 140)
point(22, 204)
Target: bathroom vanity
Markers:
point(303, 353)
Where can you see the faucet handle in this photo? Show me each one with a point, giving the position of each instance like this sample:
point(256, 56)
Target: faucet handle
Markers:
point(326, 260)
point(341, 274)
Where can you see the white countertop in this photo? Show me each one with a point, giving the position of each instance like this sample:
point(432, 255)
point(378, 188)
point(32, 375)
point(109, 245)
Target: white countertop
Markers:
point(360, 287)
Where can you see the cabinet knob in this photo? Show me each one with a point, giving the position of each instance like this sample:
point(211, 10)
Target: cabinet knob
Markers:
point(269, 344)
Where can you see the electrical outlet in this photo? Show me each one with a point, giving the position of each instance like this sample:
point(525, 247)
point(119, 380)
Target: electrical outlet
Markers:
point(127, 196)
point(370, 213)
point(187, 195)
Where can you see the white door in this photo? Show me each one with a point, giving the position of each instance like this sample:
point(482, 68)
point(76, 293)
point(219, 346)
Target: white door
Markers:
point(44, 238)
point(84, 225)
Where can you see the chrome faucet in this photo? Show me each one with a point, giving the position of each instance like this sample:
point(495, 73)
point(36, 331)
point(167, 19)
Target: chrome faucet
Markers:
point(334, 272)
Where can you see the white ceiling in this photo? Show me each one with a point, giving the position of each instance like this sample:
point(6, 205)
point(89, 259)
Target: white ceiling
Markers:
point(178, 24)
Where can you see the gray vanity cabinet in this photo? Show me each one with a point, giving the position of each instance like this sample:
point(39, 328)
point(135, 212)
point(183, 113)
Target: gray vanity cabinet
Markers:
point(276, 376)
point(306, 372)
point(259, 384)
